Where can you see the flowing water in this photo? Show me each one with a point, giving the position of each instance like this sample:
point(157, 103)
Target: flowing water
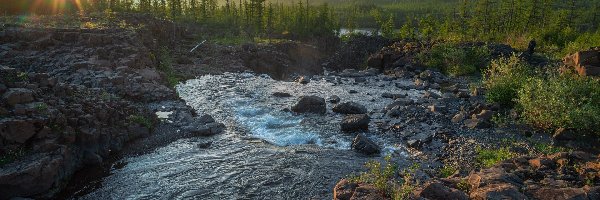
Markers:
point(266, 152)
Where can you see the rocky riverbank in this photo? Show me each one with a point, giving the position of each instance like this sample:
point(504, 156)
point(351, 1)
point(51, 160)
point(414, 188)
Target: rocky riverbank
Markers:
point(74, 97)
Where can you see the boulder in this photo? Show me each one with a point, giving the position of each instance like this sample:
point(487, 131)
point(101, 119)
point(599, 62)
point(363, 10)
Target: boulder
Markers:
point(586, 63)
point(438, 191)
point(364, 145)
point(310, 104)
point(17, 96)
point(346, 190)
point(303, 80)
point(350, 108)
point(355, 122)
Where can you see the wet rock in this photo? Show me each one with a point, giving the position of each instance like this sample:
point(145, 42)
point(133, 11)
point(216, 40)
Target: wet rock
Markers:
point(209, 129)
point(417, 141)
point(334, 99)
point(352, 91)
point(364, 145)
point(399, 102)
point(392, 96)
point(360, 80)
point(475, 123)
point(303, 80)
point(498, 191)
point(17, 130)
point(350, 108)
point(282, 94)
point(17, 96)
point(204, 145)
point(438, 191)
point(310, 104)
point(355, 122)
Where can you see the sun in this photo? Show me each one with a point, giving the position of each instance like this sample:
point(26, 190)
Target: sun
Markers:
point(56, 6)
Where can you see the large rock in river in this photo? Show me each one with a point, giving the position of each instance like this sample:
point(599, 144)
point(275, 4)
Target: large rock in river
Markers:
point(355, 122)
point(310, 104)
point(350, 108)
point(364, 145)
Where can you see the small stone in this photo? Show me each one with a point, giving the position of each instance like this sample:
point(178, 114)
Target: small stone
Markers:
point(334, 99)
point(281, 94)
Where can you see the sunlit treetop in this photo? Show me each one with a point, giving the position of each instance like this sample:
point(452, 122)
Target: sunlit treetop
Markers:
point(42, 6)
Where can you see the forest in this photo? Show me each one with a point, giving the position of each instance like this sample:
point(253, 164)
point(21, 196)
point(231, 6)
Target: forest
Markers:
point(556, 24)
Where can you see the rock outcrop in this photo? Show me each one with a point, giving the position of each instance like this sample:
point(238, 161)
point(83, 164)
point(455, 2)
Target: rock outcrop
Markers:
point(586, 63)
point(310, 104)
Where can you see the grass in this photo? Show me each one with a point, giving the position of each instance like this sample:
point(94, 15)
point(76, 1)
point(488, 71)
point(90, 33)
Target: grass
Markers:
point(548, 149)
point(490, 157)
point(141, 120)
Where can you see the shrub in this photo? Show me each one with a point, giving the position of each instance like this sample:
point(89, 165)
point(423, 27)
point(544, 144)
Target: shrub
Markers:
point(454, 60)
point(141, 120)
point(384, 178)
point(504, 78)
point(561, 101)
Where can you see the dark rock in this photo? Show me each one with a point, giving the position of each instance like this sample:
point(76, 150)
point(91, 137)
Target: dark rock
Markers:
point(17, 130)
point(360, 80)
point(399, 102)
point(564, 134)
point(431, 95)
point(438, 191)
point(3, 88)
point(365, 145)
point(344, 190)
point(282, 94)
point(209, 129)
point(204, 145)
point(559, 193)
point(31, 177)
point(475, 123)
point(458, 117)
point(310, 104)
point(334, 99)
point(497, 192)
point(355, 122)
point(352, 91)
point(91, 159)
point(17, 96)
point(184, 60)
point(392, 96)
point(350, 108)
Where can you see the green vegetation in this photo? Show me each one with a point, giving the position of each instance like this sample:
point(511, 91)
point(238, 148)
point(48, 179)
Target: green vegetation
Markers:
point(41, 107)
point(165, 65)
point(561, 101)
point(10, 156)
point(548, 149)
point(455, 60)
point(385, 178)
point(504, 78)
point(489, 157)
point(447, 171)
point(141, 120)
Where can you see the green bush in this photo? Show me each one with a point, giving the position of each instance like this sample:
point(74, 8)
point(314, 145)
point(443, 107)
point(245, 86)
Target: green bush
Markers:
point(455, 60)
point(504, 78)
point(561, 101)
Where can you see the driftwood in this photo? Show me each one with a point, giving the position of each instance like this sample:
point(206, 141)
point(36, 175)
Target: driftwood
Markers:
point(197, 46)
